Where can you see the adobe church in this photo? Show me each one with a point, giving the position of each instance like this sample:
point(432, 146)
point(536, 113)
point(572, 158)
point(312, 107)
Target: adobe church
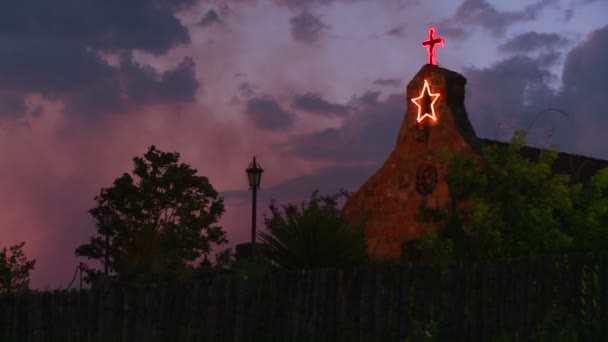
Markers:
point(435, 124)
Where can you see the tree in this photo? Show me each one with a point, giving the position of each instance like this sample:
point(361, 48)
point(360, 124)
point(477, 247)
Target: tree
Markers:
point(316, 235)
point(162, 218)
point(15, 269)
point(508, 205)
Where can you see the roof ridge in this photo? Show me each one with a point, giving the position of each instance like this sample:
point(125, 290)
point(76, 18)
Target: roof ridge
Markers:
point(492, 141)
point(580, 167)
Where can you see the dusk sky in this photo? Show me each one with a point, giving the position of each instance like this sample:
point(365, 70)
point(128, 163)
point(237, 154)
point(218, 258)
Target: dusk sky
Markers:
point(314, 88)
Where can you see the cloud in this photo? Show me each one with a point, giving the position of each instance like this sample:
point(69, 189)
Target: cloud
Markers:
point(265, 113)
point(49, 67)
point(12, 105)
point(388, 82)
point(498, 94)
point(210, 18)
point(397, 31)
point(62, 56)
point(583, 92)
point(587, 64)
point(576, 5)
point(367, 135)
point(584, 2)
point(139, 24)
point(481, 13)
point(132, 85)
point(313, 103)
point(533, 41)
point(302, 4)
point(247, 89)
point(453, 30)
point(516, 90)
point(307, 27)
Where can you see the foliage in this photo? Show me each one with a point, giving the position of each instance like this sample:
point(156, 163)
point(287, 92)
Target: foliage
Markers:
point(224, 260)
point(423, 332)
point(15, 269)
point(557, 325)
point(162, 217)
point(314, 235)
point(252, 268)
point(510, 206)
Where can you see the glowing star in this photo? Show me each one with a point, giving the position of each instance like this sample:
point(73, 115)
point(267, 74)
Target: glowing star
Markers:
point(423, 104)
point(430, 45)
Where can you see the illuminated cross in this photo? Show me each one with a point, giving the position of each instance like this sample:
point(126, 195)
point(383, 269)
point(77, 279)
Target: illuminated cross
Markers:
point(430, 45)
point(426, 103)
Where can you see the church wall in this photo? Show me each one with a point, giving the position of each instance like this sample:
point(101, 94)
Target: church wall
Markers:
point(388, 201)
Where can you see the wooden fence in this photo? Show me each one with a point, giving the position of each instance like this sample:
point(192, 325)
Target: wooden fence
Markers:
point(471, 302)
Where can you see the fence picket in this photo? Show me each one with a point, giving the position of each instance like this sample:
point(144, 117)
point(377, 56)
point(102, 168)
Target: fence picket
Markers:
point(470, 301)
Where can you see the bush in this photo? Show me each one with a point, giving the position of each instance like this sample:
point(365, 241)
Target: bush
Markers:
point(314, 235)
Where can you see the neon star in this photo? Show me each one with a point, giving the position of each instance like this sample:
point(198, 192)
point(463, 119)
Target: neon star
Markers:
point(423, 104)
point(430, 45)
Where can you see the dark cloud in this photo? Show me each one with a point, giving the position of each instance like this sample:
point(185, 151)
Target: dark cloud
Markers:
point(452, 30)
point(576, 5)
point(307, 27)
point(583, 93)
point(106, 25)
point(368, 134)
point(210, 18)
point(516, 90)
point(586, 66)
point(568, 14)
point(54, 48)
point(300, 4)
point(483, 14)
point(498, 94)
point(23, 124)
point(175, 5)
point(38, 111)
point(49, 67)
point(397, 31)
point(584, 2)
point(103, 97)
point(132, 85)
point(247, 89)
point(267, 114)
point(313, 103)
point(12, 105)
point(533, 41)
point(176, 85)
point(389, 82)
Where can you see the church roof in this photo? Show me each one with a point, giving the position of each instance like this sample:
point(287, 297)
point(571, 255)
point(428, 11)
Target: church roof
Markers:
point(580, 168)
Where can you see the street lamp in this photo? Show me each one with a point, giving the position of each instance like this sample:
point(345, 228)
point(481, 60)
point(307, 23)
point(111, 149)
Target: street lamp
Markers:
point(107, 222)
point(254, 173)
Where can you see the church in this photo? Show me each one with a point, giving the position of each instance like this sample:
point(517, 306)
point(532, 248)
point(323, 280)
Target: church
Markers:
point(435, 123)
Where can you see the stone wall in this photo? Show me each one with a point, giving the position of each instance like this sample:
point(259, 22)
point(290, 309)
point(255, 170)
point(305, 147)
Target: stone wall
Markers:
point(388, 201)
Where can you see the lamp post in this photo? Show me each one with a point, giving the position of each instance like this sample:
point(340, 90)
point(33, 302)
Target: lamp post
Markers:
point(81, 267)
point(107, 222)
point(254, 174)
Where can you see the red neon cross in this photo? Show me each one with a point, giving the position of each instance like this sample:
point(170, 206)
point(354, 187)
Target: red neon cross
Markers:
point(430, 45)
